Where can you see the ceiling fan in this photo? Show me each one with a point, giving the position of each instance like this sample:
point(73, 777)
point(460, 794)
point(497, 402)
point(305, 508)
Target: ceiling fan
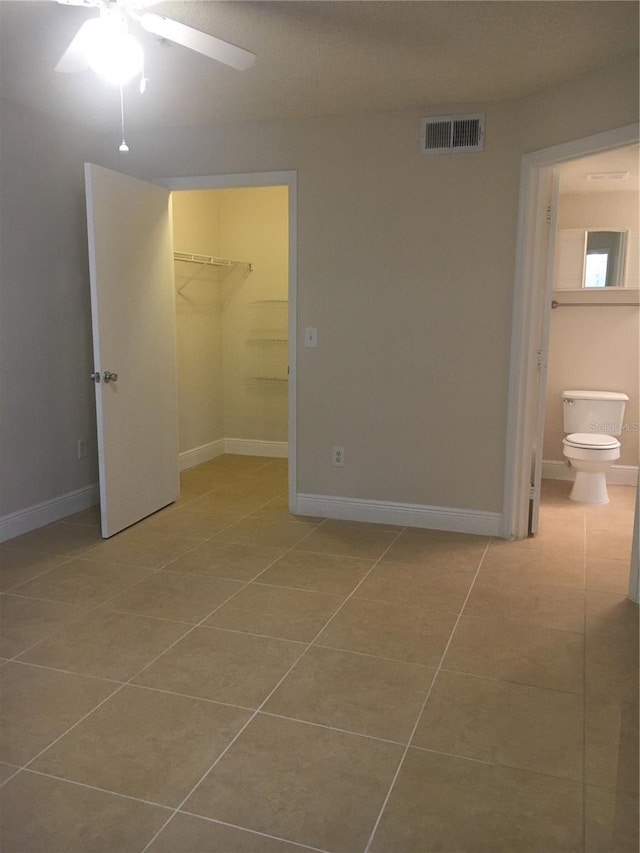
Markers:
point(105, 44)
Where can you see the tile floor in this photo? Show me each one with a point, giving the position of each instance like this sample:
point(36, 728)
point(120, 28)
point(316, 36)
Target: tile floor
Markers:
point(225, 677)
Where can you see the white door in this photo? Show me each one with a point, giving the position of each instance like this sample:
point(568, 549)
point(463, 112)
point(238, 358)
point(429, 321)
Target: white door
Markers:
point(133, 315)
point(546, 267)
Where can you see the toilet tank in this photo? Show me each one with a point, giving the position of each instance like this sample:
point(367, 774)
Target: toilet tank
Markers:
point(593, 411)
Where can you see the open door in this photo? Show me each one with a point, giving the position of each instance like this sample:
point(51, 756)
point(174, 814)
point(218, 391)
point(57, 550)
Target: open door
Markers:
point(547, 256)
point(133, 316)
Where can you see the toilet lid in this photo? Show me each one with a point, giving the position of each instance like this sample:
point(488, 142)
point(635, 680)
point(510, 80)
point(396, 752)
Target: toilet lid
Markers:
point(592, 440)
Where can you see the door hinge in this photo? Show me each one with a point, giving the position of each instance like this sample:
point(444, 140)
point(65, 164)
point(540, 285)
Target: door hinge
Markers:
point(540, 358)
point(547, 218)
point(532, 493)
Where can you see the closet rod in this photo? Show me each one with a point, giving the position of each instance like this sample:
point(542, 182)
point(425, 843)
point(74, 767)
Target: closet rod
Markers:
point(556, 304)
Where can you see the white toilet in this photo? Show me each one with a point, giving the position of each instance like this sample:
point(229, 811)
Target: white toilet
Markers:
point(592, 419)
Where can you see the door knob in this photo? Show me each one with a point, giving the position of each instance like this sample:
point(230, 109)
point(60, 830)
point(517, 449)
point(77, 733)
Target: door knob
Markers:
point(95, 376)
point(108, 376)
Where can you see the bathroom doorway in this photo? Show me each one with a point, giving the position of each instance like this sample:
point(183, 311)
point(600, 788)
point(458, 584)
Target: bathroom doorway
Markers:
point(532, 318)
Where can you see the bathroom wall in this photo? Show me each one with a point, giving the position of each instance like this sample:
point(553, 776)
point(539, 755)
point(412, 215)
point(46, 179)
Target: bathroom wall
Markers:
point(231, 367)
point(596, 346)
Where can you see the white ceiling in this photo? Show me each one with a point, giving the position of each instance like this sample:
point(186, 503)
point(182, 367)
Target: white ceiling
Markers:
point(320, 58)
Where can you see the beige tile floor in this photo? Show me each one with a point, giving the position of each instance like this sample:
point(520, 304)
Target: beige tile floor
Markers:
point(225, 678)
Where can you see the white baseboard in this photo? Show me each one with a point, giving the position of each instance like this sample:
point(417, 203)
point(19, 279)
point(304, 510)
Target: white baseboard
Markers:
point(617, 475)
point(410, 515)
point(250, 447)
point(238, 446)
point(198, 455)
point(25, 520)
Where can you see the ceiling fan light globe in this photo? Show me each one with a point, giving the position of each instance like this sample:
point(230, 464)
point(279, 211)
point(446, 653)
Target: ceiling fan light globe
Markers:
point(113, 53)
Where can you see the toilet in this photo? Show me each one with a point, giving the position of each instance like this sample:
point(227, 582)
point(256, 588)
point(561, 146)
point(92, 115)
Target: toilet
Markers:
point(591, 420)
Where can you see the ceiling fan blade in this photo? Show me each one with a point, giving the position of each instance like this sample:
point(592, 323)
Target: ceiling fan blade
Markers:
point(214, 48)
point(75, 56)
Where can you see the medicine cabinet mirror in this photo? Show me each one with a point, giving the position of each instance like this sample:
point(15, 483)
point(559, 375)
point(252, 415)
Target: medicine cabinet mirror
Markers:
point(590, 259)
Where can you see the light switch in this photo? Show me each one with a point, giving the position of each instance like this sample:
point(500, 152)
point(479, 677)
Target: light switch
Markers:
point(311, 336)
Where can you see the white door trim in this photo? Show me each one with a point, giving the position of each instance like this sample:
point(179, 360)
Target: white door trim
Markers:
point(266, 179)
point(527, 305)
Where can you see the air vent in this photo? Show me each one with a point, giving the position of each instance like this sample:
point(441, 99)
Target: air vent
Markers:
point(451, 134)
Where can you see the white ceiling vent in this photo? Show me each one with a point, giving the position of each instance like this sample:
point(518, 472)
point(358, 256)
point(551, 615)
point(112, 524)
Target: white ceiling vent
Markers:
point(450, 134)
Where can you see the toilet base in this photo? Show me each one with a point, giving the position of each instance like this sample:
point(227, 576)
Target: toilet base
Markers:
point(590, 487)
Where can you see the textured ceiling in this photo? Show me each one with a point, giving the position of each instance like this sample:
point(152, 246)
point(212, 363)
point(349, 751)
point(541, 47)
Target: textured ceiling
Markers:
point(320, 58)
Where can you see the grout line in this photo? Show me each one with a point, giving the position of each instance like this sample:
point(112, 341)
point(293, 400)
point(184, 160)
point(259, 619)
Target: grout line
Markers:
point(96, 788)
point(331, 728)
point(273, 690)
point(16, 770)
point(254, 832)
point(424, 704)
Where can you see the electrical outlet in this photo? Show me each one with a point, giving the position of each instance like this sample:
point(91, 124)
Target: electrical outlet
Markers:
point(337, 456)
point(82, 449)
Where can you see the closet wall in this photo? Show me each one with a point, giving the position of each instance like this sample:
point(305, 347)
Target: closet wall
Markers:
point(232, 326)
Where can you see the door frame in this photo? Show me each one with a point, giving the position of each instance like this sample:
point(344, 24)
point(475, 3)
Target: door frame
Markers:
point(266, 179)
point(528, 307)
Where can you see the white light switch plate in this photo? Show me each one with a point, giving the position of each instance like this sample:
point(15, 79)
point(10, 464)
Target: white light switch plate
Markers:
point(311, 336)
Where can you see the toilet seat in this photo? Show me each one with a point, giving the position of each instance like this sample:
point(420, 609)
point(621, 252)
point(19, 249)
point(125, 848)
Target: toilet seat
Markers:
point(591, 441)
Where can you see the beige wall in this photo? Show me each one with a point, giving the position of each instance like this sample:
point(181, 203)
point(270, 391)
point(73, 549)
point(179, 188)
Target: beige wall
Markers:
point(225, 318)
point(198, 322)
point(405, 265)
point(46, 397)
point(596, 347)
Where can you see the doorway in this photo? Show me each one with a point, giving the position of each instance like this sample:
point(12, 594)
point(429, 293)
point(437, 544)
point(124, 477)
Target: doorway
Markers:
point(231, 253)
point(236, 323)
point(531, 318)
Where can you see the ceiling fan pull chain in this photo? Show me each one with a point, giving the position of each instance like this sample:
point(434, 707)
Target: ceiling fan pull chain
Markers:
point(123, 145)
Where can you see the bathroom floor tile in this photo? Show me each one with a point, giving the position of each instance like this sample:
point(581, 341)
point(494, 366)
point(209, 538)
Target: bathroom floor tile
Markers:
point(354, 692)
point(227, 560)
point(82, 582)
point(317, 572)
point(611, 745)
point(529, 728)
point(387, 630)
point(106, 644)
point(515, 651)
point(611, 819)
point(38, 705)
point(291, 614)
point(611, 668)
point(607, 575)
point(39, 813)
point(226, 666)
point(613, 616)
point(189, 834)
point(184, 521)
point(26, 621)
point(551, 606)
point(301, 782)
point(431, 586)
point(614, 544)
point(505, 809)
point(170, 595)
point(348, 540)
point(145, 744)
point(7, 771)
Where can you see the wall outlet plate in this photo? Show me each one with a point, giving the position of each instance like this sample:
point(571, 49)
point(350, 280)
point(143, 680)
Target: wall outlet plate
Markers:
point(337, 456)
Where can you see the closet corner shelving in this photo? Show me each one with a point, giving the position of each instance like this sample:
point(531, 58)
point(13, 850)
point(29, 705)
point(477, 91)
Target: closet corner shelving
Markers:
point(270, 330)
point(204, 261)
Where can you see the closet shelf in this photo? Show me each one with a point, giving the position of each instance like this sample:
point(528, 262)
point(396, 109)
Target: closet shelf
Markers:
point(204, 261)
point(268, 340)
point(270, 301)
